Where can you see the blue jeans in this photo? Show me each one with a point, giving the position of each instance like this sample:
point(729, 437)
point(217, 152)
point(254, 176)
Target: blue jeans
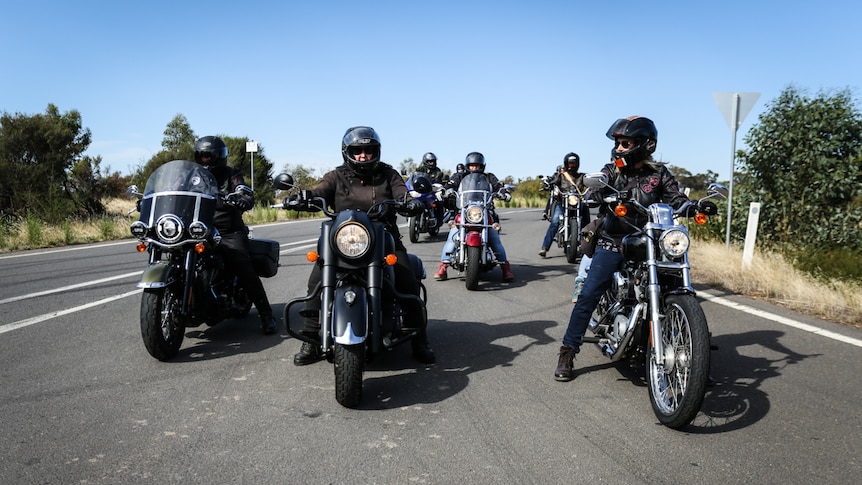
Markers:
point(602, 267)
point(553, 227)
point(493, 241)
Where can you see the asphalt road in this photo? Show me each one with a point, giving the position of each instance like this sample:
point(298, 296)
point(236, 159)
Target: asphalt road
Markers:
point(81, 401)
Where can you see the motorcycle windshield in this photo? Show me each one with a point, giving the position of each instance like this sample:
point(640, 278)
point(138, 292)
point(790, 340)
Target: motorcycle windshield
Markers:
point(181, 188)
point(474, 188)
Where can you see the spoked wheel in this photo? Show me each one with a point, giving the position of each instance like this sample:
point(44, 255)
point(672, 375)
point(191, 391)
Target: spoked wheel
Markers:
point(677, 380)
point(474, 263)
point(349, 363)
point(162, 335)
point(413, 231)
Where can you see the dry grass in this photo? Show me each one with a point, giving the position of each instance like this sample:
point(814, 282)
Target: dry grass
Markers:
point(772, 279)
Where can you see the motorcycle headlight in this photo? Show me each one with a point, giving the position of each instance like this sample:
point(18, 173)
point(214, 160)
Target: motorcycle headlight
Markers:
point(139, 229)
point(352, 240)
point(198, 229)
point(674, 243)
point(474, 215)
point(573, 200)
point(169, 228)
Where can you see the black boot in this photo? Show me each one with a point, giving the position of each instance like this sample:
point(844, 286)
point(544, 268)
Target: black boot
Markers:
point(421, 350)
point(267, 324)
point(565, 365)
point(309, 353)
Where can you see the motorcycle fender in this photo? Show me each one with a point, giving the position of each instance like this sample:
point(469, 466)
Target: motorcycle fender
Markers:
point(349, 321)
point(157, 275)
point(473, 239)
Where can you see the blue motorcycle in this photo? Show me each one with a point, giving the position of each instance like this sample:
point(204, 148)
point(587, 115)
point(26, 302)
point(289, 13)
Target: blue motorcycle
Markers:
point(430, 194)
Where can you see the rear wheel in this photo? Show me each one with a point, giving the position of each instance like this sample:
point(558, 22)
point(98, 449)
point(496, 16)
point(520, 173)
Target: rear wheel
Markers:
point(162, 335)
point(473, 267)
point(349, 363)
point(677, 381)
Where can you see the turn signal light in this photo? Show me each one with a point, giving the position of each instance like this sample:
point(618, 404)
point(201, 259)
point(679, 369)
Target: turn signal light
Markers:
point(200, 248)
point(141, 247)
point(620, 210)
point(391, 259)
point(700, 218)
point(312, 256)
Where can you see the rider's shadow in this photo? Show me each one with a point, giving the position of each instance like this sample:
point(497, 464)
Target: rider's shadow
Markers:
point(229, 337)
point(736, 400)
point(462, 348)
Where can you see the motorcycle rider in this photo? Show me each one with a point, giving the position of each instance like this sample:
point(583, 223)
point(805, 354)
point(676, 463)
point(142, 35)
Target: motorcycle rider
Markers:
point(211, 152)
point(360, 182)
point(475, 163)
point(633, 171)
point(436, 176)
point(563, 180)
point(460, 168)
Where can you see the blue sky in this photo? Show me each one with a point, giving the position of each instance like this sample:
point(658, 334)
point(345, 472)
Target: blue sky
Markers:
point(522, 82)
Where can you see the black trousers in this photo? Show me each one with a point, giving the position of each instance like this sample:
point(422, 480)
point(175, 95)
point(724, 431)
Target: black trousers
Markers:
point(234, 250)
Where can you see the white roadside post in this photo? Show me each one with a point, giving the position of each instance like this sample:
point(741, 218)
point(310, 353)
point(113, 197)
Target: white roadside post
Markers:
point(750, 235)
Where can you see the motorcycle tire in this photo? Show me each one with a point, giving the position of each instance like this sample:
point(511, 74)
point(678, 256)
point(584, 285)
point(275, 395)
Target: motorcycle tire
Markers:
point(473, 267)
point(349, 363)
point(677, 388)
point(413, 229)
point(162, 336)
point(433, 231)
point(571, 245)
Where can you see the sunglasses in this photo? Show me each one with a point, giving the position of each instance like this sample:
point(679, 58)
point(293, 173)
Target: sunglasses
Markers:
point(626, 144)
point(357, 150)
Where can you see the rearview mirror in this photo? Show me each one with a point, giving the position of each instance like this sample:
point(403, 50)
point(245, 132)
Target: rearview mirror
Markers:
point(283, 181)
point(596, 179)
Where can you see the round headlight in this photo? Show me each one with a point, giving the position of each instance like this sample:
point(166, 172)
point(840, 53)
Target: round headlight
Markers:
point(169, 228)
point(139, 229)
point(198, 230)
point(674, 243)
point(474, 215)
point(352, 240)
point(573, 200)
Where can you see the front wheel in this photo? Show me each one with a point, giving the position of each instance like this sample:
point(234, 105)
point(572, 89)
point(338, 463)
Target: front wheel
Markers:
point(162, 335)
point(474, 267)
point(349, 363)
point(413, 228)
point(677, 382)
point(572, 243)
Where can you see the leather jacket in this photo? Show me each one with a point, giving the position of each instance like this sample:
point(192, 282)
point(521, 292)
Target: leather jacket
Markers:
point(649, 184)
point(228, 218)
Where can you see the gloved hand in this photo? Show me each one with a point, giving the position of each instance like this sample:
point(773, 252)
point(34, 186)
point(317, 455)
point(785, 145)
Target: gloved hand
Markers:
point(138, 205)
point(507, 196)
point(412, 208)
point(296, 201)
point(450, 192)
point(708, 207)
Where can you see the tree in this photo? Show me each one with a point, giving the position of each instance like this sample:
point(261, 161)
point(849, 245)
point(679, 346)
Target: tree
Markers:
point(694, 182)
point(408, 166)
point(178, 135)
point(238, 157)
point(805, 167)
point(36, 154)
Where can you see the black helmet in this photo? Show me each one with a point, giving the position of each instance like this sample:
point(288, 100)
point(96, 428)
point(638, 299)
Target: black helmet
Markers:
point(475, 158)
point(644, 132)
point(460, 168)
point(213, 147)
point(361, 137)
point(572, 162)
point(429, 160)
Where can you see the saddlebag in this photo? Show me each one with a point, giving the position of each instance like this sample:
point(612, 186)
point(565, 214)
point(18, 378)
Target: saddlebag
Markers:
point(264, 256)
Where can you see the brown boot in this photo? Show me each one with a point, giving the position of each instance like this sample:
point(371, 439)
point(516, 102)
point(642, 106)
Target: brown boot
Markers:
point(507, 272)
point(566, 365)
point(441, 274)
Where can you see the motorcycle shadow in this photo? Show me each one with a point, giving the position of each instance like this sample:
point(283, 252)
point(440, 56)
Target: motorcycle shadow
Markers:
point(229, 337)
point(395, 380)
point(736, 400)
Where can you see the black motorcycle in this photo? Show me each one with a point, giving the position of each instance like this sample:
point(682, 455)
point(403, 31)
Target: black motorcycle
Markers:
point(361, 309)
point(571, 224)
point(186, 283)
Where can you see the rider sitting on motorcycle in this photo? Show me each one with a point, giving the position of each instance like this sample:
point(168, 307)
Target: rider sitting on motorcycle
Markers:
point(631, 171)
point(362, 181)
point(475, 163)
point(211, 152)
point(563, 180)
point(436, 176)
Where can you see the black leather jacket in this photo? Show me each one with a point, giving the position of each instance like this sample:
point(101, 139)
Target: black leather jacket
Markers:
point(649, 184)
point(228, 218)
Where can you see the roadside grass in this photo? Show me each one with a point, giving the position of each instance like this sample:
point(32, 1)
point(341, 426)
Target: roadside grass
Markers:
point(771, 277)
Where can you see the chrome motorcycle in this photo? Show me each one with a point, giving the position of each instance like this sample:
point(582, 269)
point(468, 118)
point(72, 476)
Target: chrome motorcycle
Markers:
point(650, 314)
point(186, 283)
point(569, 230)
